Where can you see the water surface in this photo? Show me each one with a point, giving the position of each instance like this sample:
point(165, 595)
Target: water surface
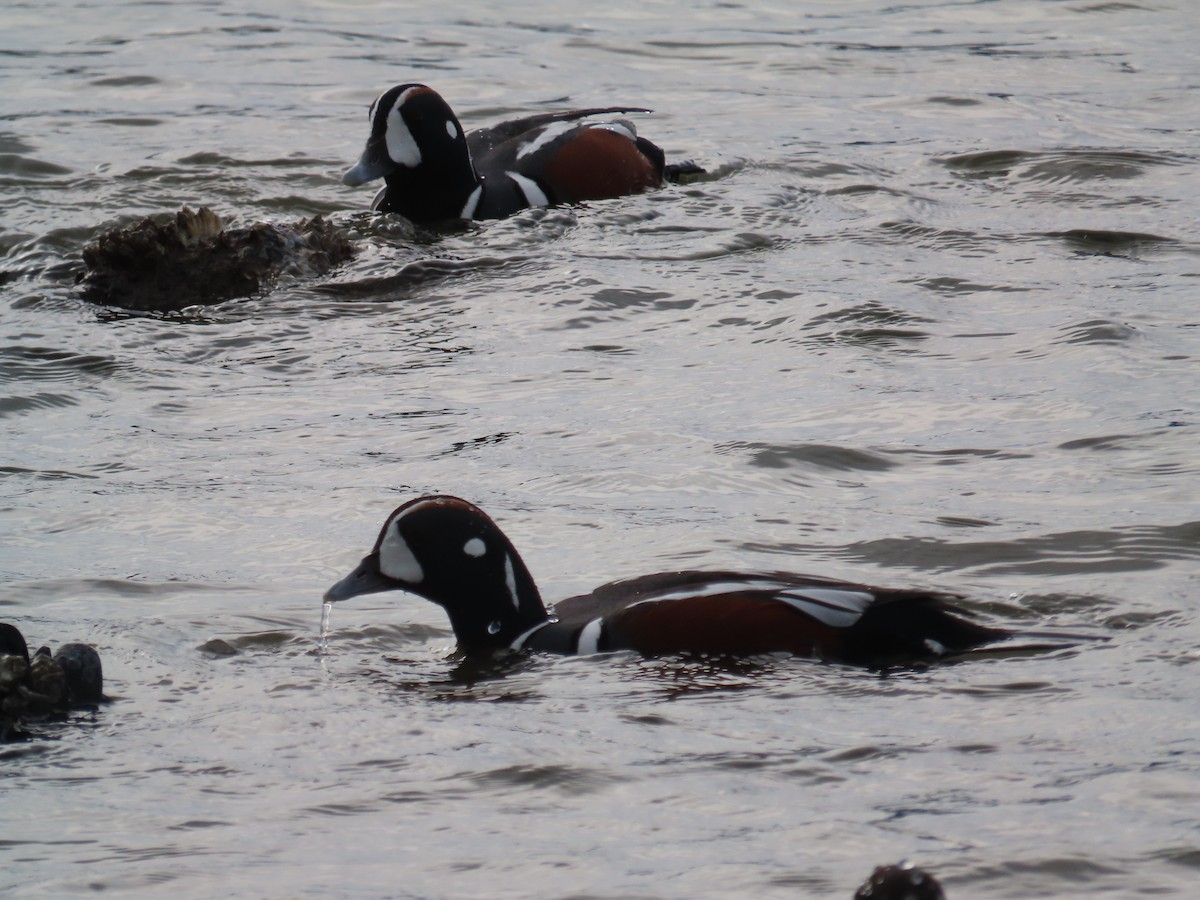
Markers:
point(931, 321)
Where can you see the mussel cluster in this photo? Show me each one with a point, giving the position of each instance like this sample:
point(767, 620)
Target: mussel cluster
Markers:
point(193, 258)
point(43, 687)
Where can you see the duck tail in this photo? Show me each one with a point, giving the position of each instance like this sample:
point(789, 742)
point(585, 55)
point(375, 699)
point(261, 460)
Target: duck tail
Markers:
point(911, 626)
point(683, 172)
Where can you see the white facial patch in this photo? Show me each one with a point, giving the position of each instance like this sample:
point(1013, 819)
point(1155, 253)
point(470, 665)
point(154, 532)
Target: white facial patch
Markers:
point(549, 133)
point(401, 145)
point(475, 547)
point(452, 129)
point(396, 559)
point(529, 189)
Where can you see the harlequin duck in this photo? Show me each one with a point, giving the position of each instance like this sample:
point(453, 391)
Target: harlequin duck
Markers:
point(448, 551)
point(435, 172)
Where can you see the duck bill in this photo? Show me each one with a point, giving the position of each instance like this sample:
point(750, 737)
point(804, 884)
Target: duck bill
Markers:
point(374, 163)
point(366, 579)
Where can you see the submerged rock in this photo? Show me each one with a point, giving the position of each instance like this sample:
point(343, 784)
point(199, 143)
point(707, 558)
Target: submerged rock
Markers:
point(902, 882)
point(43, 686)
point(193, 259)
point(85, 677)
point(46, 681)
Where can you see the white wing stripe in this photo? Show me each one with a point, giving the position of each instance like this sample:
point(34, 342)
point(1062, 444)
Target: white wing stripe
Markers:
point(833, 606)
point(836, 607)
point(549, 133)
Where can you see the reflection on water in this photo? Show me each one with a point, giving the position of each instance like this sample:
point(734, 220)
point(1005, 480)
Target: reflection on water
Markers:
point(929, 321)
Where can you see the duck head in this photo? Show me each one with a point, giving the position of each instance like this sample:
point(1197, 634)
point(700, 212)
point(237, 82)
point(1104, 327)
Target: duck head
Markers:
point(449, 552)
point(418, 147)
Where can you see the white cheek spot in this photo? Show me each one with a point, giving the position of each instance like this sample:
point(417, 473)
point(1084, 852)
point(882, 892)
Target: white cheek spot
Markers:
point(589, 638)
point(533, 194)
point(475, 547)
point(510, 582)
point(452, 129)
point(396, 559)
point(401, 145)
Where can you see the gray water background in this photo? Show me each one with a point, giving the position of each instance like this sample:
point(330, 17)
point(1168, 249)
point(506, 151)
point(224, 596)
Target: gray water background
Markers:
point(931, 321)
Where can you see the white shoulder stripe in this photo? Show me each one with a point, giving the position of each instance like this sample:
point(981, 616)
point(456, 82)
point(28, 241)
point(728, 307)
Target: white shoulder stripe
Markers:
point(534, 195)
point(468, 210)
point(589, 638)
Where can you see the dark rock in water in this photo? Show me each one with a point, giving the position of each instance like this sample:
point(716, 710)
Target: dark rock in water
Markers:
point(46, 681)
point(12, 641)
point(13, 672)
point(85, 677)
point(41, 687)
point(192, 259)
point(902, 882)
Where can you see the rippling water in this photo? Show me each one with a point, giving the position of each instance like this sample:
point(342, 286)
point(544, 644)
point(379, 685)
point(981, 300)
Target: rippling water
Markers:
point(931, 321)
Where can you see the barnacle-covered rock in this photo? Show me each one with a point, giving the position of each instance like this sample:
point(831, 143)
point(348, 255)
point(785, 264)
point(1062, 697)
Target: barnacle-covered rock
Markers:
point(192, 259)
point(85, 676)
point(43, 686)
point(46, 683)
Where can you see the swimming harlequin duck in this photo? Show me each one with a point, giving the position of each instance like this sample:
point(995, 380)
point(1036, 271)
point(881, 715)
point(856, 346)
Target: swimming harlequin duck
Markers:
point(447, 550)
point(435, 172)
